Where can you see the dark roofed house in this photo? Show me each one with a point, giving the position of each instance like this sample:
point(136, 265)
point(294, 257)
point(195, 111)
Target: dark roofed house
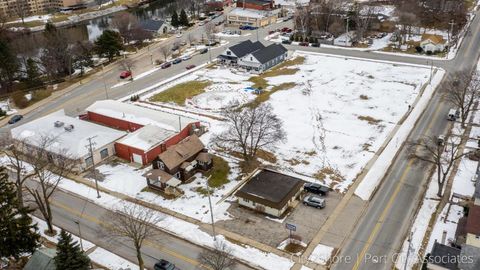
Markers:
point(237, 51)
point(472, 256)
point(264, 59)
point(269, 192)
point(180, 161)
point(443, 257)
point(158, 27)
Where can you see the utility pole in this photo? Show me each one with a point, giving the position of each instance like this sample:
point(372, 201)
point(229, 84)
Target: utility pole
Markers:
point(90, 146)
point(211, 209)
point(346, 33)
point(431, 72)
point(408, 250)
point(450, 34)
point(79, 233)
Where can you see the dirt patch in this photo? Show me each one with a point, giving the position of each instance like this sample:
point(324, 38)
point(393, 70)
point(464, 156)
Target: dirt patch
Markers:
point(330, 172)
point(369, 119)
point(294, 248)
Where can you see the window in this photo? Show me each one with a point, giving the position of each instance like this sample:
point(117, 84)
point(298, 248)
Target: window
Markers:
point(251, 58)
point(177, 175)
point(229, 53)
point(104, 153)
point(89, 161)
point(160, 165)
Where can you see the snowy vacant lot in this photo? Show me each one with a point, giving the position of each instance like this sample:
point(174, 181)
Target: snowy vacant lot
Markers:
point(337, 112)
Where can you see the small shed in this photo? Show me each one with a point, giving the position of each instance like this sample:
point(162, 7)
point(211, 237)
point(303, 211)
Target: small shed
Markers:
point(161, 180)
point(269, 192)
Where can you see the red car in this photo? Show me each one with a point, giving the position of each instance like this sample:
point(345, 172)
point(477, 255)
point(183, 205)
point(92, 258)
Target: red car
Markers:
point(125, 74)
point(190, 66)
point(165, 65)
point(304, 44)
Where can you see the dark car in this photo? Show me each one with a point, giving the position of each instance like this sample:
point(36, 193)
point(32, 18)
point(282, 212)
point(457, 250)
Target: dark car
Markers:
point(316, 188)
point(166, 65)
point(15, 119)
point(286, 41)
point(177, 61)
point(190, 66)
point(164, 265)
point(304, 44)
point(175, 47)
point(315, 45)
point(125, 74)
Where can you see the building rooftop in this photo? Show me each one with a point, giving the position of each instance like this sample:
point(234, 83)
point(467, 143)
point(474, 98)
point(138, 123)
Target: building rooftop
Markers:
point(473, 220)
point(147, 137)
point(151, 25)
point(270, 52)
point(444, 256)
point(180, 152)
point(140, 115)
point(243, 48)
point(270, 188)
point(435, 39)
point(469, 252)
point(70, 134)
point(251, 13)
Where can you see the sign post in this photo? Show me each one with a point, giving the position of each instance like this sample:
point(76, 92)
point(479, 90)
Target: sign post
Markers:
point(291, 228)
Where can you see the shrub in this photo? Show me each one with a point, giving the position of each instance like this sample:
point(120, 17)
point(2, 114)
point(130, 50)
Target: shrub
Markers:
point(19, 99)
point(40, 94)
point(419, 49)
point(2, 113)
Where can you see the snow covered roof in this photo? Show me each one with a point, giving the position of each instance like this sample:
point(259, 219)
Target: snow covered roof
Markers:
point(250, 13)
point(140, 115)
point(71, 134)
point(147, 137)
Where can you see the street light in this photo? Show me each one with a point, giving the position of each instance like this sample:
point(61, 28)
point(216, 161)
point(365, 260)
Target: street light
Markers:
point(211, 209)
point(79, 233)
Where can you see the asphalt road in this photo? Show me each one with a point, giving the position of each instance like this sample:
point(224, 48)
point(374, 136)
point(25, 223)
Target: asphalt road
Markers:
point(387, 219)
point(381, 231)
point(67, 208)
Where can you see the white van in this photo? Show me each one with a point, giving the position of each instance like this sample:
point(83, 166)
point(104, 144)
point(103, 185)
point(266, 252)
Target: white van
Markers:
point(453, 114)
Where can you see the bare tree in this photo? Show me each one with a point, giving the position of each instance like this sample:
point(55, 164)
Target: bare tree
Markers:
point(14, 153)
point(250, 129)
point(364, 14)
point(125, 23)
point(301, 20)
point(462, 90)
point(134, 223)
point(49, 168)
point(191, 39)
point(21, 9)
point(336, 28)
point(210, 30)
point(165, 50)
point(442, 155)
point(127, 64)
point(220, 258)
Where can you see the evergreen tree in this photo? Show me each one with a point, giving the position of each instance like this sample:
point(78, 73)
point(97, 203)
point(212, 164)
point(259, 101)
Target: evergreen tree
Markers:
point(17, 233)
point(33, 73)
point(183, 18)
point(175, 22)
point(69, 255)
point(9, 64)
point(109, 44)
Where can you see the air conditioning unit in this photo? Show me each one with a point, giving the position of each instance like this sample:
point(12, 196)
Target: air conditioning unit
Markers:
point(68, 128)
point(58, 124)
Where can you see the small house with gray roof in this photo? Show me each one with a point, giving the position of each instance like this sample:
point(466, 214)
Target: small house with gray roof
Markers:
point(269, 192)
point(156, 27)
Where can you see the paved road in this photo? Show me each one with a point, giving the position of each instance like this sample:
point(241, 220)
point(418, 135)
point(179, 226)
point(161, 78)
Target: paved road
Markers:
point(381, 231)
point(68, 208)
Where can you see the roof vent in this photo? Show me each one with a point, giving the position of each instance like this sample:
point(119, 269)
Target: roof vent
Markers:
point(58, 124)
point(68, 128)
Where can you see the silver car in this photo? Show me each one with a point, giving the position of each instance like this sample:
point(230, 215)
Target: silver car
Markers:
point(314, 201)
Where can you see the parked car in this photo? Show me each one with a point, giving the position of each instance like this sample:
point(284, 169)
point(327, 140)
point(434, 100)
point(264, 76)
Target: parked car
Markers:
point(164, 265)
point(203, 51)
point(316, 188)
point(125, 74)
point(285, 29)
point(304, 44)
point(186, 57)
point(166, 65)
point(441, 140)
point(177, 61)
point(190, 66)
point(271, 32)
point(211, 43)
point(453, 114)
point(286, 41)
point(314, 201)
point(175, 47)
point(15, 119)
point(315, 45)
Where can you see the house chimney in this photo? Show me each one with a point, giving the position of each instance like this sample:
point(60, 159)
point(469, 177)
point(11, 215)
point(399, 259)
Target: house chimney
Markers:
point(444, 237)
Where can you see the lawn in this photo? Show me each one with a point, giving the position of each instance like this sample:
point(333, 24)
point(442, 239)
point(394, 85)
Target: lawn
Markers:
point(181, 92)
point(219, 173)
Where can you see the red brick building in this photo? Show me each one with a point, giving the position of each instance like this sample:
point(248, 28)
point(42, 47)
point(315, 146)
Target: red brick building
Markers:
point(152, 132)
point(256, 4)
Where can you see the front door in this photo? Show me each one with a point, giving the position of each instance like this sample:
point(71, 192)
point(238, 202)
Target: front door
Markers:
point(137, 158)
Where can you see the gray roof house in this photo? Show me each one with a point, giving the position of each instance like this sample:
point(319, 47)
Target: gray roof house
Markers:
point(443, 257)
point(473, 254)
point(155, 26)
point(265, 58)
point(233, 53)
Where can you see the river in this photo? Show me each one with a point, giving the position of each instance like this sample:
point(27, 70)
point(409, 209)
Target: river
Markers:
point(30, 44)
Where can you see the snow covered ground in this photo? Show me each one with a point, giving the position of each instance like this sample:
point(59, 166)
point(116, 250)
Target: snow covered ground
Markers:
point(4, 106)
point(334, 129)
point(128, 180)
point(321, 254)
point(99, 255)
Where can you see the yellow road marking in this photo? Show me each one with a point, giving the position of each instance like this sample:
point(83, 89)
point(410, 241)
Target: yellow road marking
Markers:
point(379, 223)
point(147, 242)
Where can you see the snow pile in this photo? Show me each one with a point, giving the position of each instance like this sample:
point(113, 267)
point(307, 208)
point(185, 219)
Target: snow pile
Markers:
point(4, 106)
point(321, 254)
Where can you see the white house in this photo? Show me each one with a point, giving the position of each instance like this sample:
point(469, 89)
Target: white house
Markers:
point(432, 43)
point(265, 58)
point(69, 138)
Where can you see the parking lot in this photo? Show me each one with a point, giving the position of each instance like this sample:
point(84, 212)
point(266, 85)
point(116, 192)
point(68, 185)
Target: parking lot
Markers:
point(272, 232)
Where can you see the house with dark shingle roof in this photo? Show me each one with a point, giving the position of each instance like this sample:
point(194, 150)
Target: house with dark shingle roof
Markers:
point(269, 192)
point(443, 257)
point(157, 27)
point(254, 56)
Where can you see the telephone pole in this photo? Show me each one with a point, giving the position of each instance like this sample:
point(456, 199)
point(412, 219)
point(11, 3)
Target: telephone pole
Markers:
point(90, 146)
point(211, 209)
point(408, 250)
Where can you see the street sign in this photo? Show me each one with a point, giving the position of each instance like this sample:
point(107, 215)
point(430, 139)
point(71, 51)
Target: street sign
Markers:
point(290, 227)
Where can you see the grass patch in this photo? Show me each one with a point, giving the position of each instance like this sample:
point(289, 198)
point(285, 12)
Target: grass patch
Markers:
point(60, 18)
point(264, 96)
point(292, 62)
point(294, 248)
point(330, 172)
point(180, 92)
point(369, 119)
point(278, 70)
point(364, 97)
point(219, 173)
point(26, 24)
point(311, 153)
point(201, 190)
point(39, 95)
point(265, 155)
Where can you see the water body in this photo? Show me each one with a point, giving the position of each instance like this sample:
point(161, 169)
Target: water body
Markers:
point(30, 44)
